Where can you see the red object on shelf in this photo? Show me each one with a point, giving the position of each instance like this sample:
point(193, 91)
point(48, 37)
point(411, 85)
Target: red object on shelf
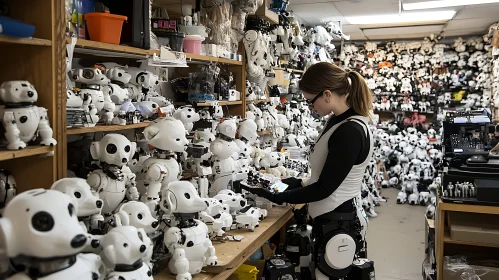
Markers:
point(104, 27)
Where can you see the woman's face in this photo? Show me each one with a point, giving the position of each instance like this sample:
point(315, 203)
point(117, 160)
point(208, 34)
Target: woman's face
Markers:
point(320, 106)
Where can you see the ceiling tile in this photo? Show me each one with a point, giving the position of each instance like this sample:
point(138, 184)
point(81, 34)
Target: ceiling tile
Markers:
point(367, 7)
point(350, 28)
point(478, 11)
point(476, 23)
point(316, 13)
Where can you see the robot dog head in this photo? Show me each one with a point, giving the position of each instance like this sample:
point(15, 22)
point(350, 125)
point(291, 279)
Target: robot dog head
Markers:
point(124, 245)
point(118, 74)
point(247, 129)
point(186, 115)
point(182, 197)
point(223, 149)
point(401, 198)
point(233, 200)
point(166, 134)
point(42, 224)
point(18, 92)
point(86, 202)
point(137, 214)
point(227, 128)
point(89, 76)
point(147, 108)
point(113, 149)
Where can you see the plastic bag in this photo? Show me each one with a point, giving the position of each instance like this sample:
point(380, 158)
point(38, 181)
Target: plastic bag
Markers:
point(470, 268)
point(218, 20)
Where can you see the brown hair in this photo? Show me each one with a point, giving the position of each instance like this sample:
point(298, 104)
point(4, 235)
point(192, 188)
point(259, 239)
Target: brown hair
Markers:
point(327, 76)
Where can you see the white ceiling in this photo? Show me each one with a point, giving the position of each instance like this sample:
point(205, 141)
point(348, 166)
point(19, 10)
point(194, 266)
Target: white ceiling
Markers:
point(469, 20)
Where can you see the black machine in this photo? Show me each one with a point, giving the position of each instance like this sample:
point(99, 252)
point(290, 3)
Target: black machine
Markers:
point(137, 29)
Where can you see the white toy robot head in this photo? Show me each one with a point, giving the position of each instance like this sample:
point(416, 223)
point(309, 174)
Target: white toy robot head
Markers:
point(223, 149)
point(401, 198)
point(114, 149)
point(89, 76)
point(247, 129)
point(227, 128)
point(86, 202)
point(431, 133)
point(166, 134)
point(187, 115)
point(118, 74)
point(235, 201)
point(42, 224)
point(413, 199)
point(147, 108)
point(182, 197)
point(136, 214)
point(218, 112)
point(272, 159)
point(422, 143)
point(73, 99)
point(124, 245)
point(18, 92)
point(204, 136)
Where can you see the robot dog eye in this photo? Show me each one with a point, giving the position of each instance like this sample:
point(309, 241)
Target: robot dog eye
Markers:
point(120, 75)
point(139, 216)
point(178, 139)
point(42, 221)
point(111, 149)
point(187, 195)
point(88, 74)
point(77, 194)
point(127, 148)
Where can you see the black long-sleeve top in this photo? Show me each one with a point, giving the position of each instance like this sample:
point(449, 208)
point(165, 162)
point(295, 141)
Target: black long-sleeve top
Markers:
point(348, 146)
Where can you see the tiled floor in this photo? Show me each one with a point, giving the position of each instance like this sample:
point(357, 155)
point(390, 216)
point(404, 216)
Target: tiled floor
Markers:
point(396, 239)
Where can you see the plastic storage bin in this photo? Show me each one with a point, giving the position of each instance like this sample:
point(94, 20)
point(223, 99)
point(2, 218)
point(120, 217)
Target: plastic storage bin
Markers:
point(105, 27)
point(192, 44)
point(246, 272)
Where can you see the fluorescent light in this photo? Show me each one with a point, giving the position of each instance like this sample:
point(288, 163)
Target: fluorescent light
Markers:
point(444, 4)
point(402, 18)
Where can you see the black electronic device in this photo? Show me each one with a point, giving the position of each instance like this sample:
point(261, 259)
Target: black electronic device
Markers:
point(487, 190)
point(467, 187)
point(362, 269)
point(136, 30)
point(477, 159)
point(279, 267)
point(259, 180)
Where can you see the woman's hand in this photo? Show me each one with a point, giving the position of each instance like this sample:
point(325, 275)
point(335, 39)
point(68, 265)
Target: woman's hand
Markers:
point(261, 192)
point(293, 183)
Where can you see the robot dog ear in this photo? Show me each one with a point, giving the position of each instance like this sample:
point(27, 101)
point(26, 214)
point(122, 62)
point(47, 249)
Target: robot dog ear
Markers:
point(150, 132)
point(133, 148)
point(121, 219)
point(171, 200)
point(95, 150)
point(109, 255)
point(8, 238)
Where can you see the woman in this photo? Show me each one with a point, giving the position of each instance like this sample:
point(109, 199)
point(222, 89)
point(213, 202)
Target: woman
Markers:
point(339, 157)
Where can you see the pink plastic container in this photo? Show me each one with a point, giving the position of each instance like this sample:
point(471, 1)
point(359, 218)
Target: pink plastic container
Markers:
point(192, 44)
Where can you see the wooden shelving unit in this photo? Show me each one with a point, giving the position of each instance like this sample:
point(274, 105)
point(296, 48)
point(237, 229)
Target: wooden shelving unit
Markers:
point(442, 235)
point(221, 103)
point(289, 70)
point(26, 152)
point(257, 101)
point(265, 13)
point(39, 60)
point(105, 128)
point(25, 41)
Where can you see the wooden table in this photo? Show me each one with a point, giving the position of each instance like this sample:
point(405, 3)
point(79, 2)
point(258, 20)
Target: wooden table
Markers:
point(442, 232)
point(232, 254)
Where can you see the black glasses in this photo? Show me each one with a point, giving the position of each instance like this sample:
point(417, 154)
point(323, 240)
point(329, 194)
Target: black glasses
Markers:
point(311, 102)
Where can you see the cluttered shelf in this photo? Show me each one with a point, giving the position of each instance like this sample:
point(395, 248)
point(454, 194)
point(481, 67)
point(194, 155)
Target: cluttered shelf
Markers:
point(399, 111)
point(289, 70)
point(257, 101)
point(25, 41)
point(205, 58)
point(105, 128)
point(209, 103)
point(26, 152)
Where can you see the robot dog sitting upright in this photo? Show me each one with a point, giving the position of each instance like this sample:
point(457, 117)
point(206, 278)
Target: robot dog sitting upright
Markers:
point(114, 179)
point(188, 241)
point(22, 120)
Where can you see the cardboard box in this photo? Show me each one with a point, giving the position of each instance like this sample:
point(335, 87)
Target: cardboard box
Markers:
point(473, 227)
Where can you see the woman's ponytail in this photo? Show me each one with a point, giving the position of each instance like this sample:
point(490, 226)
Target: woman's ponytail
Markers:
point(359, 95)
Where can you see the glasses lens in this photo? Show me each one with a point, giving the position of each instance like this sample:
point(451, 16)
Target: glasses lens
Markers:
point(312, 101)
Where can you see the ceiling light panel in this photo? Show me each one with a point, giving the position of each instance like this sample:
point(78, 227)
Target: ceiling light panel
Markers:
point(444, 4)
point(411, 17)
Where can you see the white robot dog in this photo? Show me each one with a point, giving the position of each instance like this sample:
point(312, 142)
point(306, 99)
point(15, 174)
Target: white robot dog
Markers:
point(114, 180)
point(123, 251)
point(22, 120)
point(189, 242)
point(41, 232)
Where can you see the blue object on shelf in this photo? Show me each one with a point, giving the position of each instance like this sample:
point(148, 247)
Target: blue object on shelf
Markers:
point(16, 28)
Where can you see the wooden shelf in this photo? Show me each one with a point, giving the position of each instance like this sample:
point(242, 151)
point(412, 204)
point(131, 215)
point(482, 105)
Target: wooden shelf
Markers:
point(257, 101)
point(26, 152)
point(105, 128)
point(93, 45)
point(469, 208)
point(448, 240)
point(221, 103)
point(265, 13)
point(289, 70)
point(25, 41)
point(205, 58)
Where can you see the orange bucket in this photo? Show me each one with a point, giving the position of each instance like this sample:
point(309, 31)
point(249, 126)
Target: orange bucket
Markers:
point(104, 27)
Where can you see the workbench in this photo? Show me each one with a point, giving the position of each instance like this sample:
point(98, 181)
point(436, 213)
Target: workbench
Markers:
point(445, 246)
point(232, 254)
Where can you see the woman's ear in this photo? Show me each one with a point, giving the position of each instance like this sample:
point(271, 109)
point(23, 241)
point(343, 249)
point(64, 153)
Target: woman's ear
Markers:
point(327, 93)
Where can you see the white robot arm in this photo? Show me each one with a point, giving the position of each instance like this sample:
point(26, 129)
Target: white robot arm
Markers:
point(12, 132)
point(44, 129)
